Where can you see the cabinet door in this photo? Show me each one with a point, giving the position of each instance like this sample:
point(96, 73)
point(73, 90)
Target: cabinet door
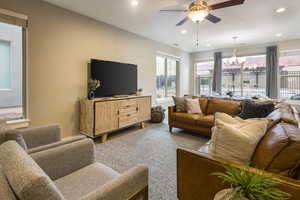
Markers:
point(106, 116)
point(144, 108)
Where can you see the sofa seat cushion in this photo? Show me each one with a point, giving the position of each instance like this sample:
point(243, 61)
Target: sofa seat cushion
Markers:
point(223, 106)
point(27, 180)
point(206, 120)
point(186, 118)
point(85, 180)
point(278, 151)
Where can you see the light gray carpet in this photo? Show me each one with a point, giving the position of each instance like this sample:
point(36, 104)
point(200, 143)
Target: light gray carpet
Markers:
point(153, 146)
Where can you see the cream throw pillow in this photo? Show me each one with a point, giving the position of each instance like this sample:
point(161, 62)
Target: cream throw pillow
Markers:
point(235, 139)
point(193, 106)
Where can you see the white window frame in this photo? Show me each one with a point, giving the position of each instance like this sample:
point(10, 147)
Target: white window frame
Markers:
point(20, 20)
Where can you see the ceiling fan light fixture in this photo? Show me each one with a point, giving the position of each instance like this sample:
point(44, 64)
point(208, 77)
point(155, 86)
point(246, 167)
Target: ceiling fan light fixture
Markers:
point(198, 16)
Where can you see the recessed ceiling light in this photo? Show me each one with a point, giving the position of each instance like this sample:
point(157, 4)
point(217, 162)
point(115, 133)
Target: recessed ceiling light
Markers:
point(184, 32)
point(280, 10)
point(208, 45)
point(134, 3)
point(278, 34)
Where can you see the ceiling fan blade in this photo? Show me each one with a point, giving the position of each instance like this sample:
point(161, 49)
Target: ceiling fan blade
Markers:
point(213, 18)
point(172, 10)
point(226, 4)
point(182, 21)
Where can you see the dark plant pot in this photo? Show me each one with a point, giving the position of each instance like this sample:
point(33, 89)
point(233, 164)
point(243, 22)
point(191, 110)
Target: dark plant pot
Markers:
point(91, 95)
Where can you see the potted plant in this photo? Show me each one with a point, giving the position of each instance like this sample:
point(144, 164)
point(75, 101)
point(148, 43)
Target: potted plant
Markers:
point(93, 85)
point(247, 185)
point(139, 92)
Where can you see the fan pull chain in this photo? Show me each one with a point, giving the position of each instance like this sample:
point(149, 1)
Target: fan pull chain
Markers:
point(197, 43)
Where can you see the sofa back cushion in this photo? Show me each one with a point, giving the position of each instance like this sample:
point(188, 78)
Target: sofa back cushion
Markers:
point(286, 113)
point(180, 104)
point(278, 151)
point(224, 106)
point(26, 178)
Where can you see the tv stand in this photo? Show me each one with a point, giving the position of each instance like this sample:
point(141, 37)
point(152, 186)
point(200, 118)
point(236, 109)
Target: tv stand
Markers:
point(100, 116)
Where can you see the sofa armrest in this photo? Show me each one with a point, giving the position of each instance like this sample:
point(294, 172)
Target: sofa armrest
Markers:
point(42, 135)
point(194, 179)
point(171, 110)
point(129, 184)
point(64, 141)
point(63, 160)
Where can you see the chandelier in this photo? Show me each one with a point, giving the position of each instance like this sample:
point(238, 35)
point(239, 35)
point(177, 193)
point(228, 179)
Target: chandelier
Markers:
point(234, 60)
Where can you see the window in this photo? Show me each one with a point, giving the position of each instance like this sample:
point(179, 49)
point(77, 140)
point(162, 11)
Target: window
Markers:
point(204, 77)
point(289, 69)
point(245, 80)
point(166, 79)
point(12, 70)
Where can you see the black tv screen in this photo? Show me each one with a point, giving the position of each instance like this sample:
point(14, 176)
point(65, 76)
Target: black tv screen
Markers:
point(116, 78)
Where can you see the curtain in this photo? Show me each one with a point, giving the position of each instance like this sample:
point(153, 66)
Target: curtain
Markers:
point(217, 78)
point(272, 72)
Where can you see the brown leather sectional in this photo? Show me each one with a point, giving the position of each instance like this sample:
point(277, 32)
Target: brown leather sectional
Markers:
point(277, 154)
point(202, 123)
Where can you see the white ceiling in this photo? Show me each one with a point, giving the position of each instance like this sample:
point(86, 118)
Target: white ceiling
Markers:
point(255, 22)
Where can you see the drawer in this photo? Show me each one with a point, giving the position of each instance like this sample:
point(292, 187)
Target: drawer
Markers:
point(128, 110)
point(127, 103)
point(127, 121)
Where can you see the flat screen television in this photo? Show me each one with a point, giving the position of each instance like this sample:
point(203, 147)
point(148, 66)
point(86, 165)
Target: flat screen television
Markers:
point(116, 78)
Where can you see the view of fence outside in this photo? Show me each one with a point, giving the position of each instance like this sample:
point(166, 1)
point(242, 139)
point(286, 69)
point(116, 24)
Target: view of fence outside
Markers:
point(251, 80)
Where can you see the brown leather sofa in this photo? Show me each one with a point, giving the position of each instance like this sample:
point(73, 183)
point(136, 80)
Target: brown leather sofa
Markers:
point(202, 123)
point(277, 154)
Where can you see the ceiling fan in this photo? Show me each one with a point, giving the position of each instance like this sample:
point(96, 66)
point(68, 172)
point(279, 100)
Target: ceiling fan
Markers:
point(199, 10)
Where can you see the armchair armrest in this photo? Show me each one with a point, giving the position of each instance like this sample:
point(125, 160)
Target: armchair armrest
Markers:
point(65, 159)
point(132, 183)
point(43, 135)
point(194, 179)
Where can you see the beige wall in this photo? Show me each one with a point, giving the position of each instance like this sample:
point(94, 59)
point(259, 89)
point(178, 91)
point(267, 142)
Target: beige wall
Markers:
point(60, 44)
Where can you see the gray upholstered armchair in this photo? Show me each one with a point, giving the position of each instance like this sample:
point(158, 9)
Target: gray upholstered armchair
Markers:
point(66, 172)
point(37, 138)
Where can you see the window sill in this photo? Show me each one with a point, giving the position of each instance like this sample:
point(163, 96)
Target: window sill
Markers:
point(19, 123)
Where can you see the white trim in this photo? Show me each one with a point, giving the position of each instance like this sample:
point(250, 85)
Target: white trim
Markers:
point(19, 123)
point(13, 14)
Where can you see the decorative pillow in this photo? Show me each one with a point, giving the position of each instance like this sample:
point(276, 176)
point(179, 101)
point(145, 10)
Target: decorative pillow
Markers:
point(193, 106)
point(235, 139)
point(180, 104)
point(256, 110)
point(278, 151)
point(7, 133)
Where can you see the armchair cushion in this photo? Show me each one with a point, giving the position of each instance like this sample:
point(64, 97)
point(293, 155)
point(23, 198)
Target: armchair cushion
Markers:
point(66, 159)
point(25, 177)
point(56, 144)
point(43, 135)
point(85, 180)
